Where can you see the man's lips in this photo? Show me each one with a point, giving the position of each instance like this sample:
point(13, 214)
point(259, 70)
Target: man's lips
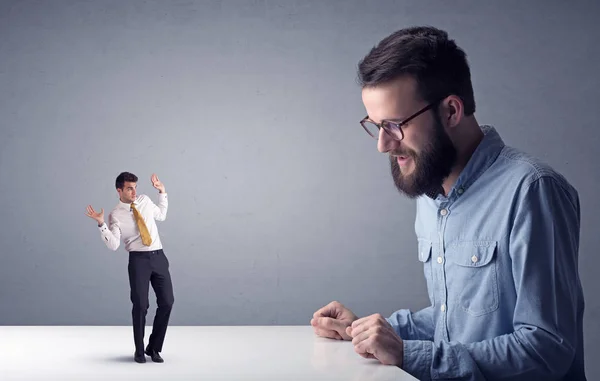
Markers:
point(402, 159)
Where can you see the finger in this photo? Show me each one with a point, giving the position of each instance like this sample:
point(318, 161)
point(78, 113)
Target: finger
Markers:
point(360, 349)
point(321, 312)
point(360, 325)
point(101, 210)
point(360, 321)
point(330, 324)
point(362, 336)
point(372, 318)
point(365, 348)
point(328, 334)
point(372, 328)
point(330, 310)
point(367, 355)
point(314, 322)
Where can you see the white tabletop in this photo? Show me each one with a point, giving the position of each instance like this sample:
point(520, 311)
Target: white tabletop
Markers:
point(190, 353)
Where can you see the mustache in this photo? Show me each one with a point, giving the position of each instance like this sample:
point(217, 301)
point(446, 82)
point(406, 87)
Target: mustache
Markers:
point(401, 153)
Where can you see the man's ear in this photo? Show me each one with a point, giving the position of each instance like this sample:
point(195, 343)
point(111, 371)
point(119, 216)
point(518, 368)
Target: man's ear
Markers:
point(452, 111)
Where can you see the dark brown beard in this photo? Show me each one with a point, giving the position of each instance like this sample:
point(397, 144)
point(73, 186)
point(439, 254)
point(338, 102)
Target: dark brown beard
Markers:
point(432, 166)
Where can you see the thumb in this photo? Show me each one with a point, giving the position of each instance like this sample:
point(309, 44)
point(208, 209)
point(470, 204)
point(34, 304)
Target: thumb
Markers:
point(349, 330)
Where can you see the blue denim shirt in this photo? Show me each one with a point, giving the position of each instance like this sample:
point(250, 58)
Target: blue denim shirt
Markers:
point(500, 256)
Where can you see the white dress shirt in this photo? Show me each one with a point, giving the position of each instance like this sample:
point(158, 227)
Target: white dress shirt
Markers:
point(121, 224)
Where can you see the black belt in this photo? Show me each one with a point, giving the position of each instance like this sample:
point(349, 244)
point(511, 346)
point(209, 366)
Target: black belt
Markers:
point(147, 252)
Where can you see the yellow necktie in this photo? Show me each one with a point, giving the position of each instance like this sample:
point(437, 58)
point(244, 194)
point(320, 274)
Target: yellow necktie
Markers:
point(146, 239)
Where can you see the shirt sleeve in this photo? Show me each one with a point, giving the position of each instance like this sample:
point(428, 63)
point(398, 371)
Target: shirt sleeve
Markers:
point(413, 325)
point(160, 210)
point(544, 244)
point(111, 233)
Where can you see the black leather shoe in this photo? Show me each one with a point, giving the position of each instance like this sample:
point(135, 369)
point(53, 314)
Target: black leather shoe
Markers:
point(139, 358)
point(154, 355)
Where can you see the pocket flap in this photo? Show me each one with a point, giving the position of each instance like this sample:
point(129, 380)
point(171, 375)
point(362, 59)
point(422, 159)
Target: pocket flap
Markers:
point(472, 253)
point(424, 250)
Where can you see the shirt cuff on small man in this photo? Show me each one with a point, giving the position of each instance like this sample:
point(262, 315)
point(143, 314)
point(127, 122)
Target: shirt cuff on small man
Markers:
point(417, 358)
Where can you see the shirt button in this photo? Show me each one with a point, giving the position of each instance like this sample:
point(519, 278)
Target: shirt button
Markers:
point(444, 212)
point(440, 260)
point(460, 191)
point(443, 308)
point(474, 259)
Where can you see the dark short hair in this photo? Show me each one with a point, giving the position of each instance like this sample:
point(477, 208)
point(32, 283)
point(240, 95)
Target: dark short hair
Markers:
point(125, 176)
point(438, 65)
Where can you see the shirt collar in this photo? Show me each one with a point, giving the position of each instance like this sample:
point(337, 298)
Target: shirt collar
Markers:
point(126, 206)
point(482, 158)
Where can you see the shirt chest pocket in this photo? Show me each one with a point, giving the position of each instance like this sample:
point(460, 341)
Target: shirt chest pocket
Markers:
point(472, 277)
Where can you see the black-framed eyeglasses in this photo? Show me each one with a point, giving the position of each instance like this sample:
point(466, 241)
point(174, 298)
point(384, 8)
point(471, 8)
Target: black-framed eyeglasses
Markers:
point(393, 127)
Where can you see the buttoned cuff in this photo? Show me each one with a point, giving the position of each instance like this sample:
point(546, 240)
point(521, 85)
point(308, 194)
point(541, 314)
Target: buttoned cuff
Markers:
point(417, 358)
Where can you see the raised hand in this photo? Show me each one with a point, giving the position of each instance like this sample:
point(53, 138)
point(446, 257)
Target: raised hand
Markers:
point(98, 216)
point(156, 183)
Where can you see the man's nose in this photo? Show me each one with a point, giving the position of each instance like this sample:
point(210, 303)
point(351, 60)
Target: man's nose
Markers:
point(386, 143)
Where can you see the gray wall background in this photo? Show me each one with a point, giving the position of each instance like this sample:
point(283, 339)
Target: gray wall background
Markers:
point(248, 111)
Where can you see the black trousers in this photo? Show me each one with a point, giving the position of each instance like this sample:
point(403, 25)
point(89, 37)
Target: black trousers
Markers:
point(150, 267)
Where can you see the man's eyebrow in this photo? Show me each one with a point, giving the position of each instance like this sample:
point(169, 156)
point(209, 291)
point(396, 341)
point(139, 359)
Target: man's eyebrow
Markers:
point(398, 119)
